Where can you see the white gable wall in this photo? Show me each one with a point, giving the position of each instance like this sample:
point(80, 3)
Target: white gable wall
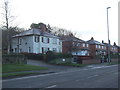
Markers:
point(26, 44)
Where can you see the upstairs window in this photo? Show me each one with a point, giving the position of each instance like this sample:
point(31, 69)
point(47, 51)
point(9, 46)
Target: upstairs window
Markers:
point(45, 40)
point(87, 45)
point(36, 39)
point(54, 40)
point(20, 41)
point(83, 44)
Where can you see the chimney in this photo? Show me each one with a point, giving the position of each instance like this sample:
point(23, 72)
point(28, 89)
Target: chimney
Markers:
point(102, 41)
point(109, 41)
point(114, 44)
point(92, 38)
point(43, 27)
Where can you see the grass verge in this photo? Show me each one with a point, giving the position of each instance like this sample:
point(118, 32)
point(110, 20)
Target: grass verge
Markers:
point(112, 63)
point(20, 67)
point(18, 74)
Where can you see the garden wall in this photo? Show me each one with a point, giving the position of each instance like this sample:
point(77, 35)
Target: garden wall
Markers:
point(14, 59)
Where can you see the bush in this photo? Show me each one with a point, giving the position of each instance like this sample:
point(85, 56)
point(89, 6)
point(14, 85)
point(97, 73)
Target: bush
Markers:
point(52, 56)
point(114, 56)
point(34, 56)
point(49, 56)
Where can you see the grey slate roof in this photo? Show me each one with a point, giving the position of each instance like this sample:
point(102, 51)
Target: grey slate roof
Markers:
point(71, 38)
point(94, 42)
point(34, 32)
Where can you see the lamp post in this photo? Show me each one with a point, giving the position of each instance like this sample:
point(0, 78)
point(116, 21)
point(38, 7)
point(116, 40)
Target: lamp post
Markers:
point(108, 36)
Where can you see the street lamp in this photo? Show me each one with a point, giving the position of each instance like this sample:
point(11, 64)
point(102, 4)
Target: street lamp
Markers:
point(108, 36)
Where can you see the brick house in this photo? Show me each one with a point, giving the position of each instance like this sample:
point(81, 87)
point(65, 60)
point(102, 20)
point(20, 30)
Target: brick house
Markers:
point(113, 48)
point(96, 48)
point(76, 46)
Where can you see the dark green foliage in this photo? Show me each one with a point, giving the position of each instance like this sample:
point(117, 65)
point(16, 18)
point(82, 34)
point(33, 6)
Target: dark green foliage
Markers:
point(52, 55)
point(114, 55)
point(49, 56)
point(13, 55)
point(34, 56)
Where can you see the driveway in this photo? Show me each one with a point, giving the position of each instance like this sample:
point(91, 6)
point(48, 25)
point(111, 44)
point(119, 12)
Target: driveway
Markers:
point(50, 66)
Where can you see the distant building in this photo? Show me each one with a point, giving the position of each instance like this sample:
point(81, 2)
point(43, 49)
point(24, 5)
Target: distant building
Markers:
point(36, 41)
point(113, 48)
point(75, 46)
point(96, 48)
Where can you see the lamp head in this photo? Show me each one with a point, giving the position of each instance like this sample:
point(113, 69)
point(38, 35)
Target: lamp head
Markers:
point(108, 7)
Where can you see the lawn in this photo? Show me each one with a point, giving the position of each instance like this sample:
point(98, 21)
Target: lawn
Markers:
point(19, 74)
point(20, 67)
point(112, 63)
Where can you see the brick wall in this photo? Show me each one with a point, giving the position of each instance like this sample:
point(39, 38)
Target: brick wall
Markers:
point(90, 61)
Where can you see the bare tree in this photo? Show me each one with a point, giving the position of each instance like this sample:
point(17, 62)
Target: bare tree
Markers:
point(7, 18)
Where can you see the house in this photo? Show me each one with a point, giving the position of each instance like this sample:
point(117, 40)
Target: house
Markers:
point(36, 41)
point(75, 46)
point(96, 48)
point(113, 48)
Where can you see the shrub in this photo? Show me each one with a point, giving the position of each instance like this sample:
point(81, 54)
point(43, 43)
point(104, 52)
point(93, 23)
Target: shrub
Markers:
point(52, 56)
point(49, 56)
point(34, 56)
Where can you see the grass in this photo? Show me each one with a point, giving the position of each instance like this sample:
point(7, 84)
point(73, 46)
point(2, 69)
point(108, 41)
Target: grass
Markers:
point(112, 63)
point(20, 67)
point(18, 74)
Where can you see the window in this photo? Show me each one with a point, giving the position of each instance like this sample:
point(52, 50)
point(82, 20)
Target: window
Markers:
point(45, 40)
point(20, 41)
point(15, 50)
point(59, 42)
point(42, 39)
point(87, 45)
point(44, 49)
point(96, 46)
point(29, 50)
point(54, 50)
point(83, 44)
point(48, 40)
point(36, 39)
point(102, 47)
point(54, 40)
point(20, 50)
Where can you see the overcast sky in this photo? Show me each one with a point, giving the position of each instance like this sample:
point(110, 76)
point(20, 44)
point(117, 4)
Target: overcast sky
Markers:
point(87, 18)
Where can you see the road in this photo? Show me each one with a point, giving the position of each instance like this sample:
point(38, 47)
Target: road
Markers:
point(88, 77)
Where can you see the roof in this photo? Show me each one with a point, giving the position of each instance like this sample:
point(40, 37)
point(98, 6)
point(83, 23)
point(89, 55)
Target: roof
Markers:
point(71, 38)
point(34, 32)
point(95, 42)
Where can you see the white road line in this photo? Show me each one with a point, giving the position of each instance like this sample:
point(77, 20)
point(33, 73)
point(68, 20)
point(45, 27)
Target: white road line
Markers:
point(92, 76)
point(51, 86)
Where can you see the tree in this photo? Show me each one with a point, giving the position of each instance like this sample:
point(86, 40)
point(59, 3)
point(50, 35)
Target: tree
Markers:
point(7, 17)
point(13, 31)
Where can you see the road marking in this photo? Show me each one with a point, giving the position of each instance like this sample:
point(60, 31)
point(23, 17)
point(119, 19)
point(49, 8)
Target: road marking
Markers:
point(51, 86)
point(53, 73)
point(92, 76)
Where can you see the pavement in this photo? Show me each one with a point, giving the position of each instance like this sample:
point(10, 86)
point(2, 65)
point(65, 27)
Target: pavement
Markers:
point(54, 68)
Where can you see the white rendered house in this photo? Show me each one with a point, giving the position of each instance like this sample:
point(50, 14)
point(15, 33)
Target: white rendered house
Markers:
point(36, 41)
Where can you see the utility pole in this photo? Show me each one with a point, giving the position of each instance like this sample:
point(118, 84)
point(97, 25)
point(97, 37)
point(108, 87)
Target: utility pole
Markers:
point(108, 35)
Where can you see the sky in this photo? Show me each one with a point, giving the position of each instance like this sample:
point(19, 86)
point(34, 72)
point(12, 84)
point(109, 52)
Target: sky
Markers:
point(86, 18)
